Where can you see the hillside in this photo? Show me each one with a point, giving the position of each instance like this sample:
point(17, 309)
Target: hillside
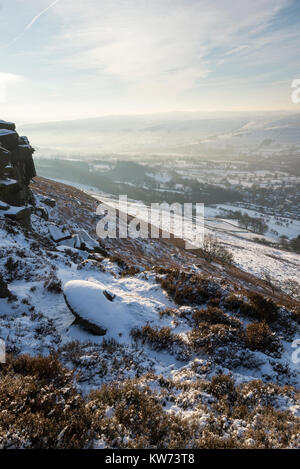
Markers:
point(125, 343)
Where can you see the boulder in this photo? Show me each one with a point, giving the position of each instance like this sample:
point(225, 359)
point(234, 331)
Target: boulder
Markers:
point(91, 265)
point(100, 312)
point(9, 191)
point(57, 234)
point(9, 139)
point(87, 242)
point(3, 206)
point(90, 306)
point(21, 215)
point(7, 125)
point(16, 171)
point(4, 160)
point(41, 212)
point(47, 201)
point(22, 159)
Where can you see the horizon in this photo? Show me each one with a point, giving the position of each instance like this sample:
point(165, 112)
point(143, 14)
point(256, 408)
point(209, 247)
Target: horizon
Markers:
point(63, 60)
point(218, 113)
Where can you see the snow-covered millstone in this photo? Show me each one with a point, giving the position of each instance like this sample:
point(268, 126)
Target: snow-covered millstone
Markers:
point(90, 304)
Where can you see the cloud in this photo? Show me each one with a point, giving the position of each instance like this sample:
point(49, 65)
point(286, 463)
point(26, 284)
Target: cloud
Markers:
point(136, 40)
point(6, 79)
point(140, 56)
point(235, 50)
point(29, 25)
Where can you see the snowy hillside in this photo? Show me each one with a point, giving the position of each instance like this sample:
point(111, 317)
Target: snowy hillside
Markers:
point(200, 353)
point(250, 256)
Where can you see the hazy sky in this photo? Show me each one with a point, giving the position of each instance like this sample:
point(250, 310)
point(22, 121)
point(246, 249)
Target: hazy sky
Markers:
point(69, 59)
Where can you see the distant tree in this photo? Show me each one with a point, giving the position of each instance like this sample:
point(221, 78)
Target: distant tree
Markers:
point(284, 241)
point(295, 244)
point(213, 250)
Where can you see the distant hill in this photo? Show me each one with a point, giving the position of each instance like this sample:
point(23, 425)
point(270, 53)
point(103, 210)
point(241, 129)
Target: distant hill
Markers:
point(166, 133)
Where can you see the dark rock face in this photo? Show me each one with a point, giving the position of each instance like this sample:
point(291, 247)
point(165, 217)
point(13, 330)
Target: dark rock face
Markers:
point(21, 158)
point(9, 139)
point(16, 171)
point(4, 159)
point(7, 125)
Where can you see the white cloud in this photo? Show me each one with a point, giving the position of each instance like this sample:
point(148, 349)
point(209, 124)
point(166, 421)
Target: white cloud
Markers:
point(6, 80)
point(135, 40)
point(30, 24)
point(235, 50)
point(145, 55)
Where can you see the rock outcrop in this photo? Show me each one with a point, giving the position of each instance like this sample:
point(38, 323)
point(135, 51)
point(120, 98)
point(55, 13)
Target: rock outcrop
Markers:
point(16, 171)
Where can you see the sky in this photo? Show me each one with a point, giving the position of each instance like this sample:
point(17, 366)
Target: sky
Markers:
point(74, 59)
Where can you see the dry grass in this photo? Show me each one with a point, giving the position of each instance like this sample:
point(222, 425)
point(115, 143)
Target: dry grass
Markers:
point(260, 337)
point(159, 339)
point(214, 315)
point(187, 288)
point(254, 306)
point(41, 408)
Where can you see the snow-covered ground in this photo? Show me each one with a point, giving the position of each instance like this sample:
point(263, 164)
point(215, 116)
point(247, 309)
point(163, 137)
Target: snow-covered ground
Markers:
point(249, 255)
point(139, 301)
point(42, 274)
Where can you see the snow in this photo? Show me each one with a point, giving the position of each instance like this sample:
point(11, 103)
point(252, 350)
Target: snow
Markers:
point(6, 132)
point(6, 122)
point(87, 299)
point(85, 238)
point(57, 234)
point(249, 255)
point(136, 302)
point(12, 210)
point(7, 182)
point(159, 177)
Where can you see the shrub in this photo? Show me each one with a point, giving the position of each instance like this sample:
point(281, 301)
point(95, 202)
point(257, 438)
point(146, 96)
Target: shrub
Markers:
point(214, 301)
point(189, 288)
point(12, 269)
point(130, 272)
point(232, 302)
point(138, 414)
point(213, 250)
point(257, 307)
point(262, 308)
point(158, 338)
point(46, 369)
point(214, 315)
point(211, 337)
point(119, 261)
point(40, 408)
point(222, 387)
point(53, 284)
point(296, 314)
point(260, 337)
